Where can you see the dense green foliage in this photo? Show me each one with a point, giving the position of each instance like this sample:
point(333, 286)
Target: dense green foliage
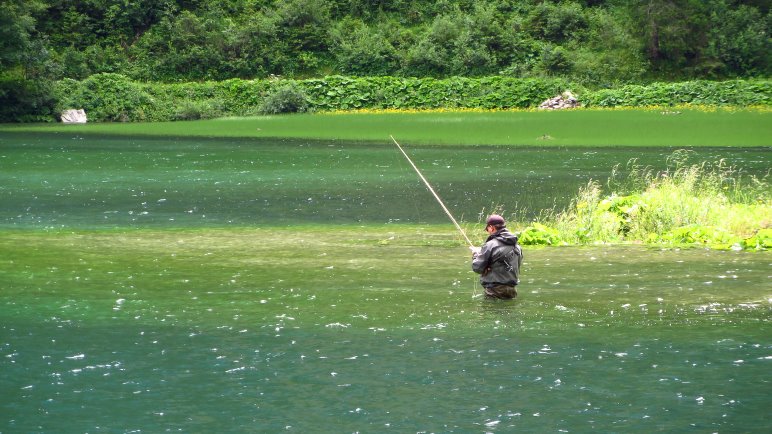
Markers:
point(598, 42)
point(590, 44)
point(114, 97)
point(26, 101)
point(17, 26)
point(733, 92)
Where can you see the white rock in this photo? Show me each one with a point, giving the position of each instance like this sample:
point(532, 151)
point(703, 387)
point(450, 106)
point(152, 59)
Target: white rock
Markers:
point(74, 116)
point(563, 101)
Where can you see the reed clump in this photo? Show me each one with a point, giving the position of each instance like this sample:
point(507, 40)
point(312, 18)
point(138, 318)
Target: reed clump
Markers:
point(706, 203)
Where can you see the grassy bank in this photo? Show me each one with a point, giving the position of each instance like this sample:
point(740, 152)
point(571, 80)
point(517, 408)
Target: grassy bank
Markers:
point(683, 127)
point(687, 204)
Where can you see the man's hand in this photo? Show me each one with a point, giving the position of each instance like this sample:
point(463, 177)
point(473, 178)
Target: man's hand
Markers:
point(475, 250)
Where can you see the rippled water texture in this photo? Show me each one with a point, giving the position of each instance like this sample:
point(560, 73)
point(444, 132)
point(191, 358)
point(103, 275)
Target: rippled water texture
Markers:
point(205, 287)
point(61, 180)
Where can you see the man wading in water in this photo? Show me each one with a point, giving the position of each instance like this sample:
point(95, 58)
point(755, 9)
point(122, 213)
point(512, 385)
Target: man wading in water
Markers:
point(498, 260)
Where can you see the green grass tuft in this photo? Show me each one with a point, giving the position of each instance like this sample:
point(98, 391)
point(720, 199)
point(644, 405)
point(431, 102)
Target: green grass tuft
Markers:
point(707, 203)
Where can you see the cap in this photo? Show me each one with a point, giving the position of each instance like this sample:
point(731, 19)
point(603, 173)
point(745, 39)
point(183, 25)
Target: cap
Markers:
point(495, 220)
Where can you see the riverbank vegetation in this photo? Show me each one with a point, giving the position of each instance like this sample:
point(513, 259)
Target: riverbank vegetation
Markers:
point(598, 42)
point(110, 97)
point(116, 98)
point(153, 60)
point(687, 204)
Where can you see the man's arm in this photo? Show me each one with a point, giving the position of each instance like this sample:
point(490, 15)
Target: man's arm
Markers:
point(480, 259)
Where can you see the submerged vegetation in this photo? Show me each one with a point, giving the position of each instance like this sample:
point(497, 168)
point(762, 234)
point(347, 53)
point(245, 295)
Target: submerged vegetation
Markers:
point(674, 127)
point(707, 203)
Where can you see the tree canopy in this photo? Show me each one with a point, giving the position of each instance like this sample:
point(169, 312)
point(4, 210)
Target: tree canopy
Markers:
point(594, 42)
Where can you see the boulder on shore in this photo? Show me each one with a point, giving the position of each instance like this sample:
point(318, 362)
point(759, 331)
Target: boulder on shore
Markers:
point(74, 116)
point(565, 100)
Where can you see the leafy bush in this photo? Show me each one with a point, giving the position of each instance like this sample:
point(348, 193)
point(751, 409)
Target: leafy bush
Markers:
point(105, 97)
point(539, 235)
point(761, 240)
point(731, 92)
point(590, 218)
point(342, 93)
point(26, 101)
point(194, 110)
point(697, 234)
point(285, 98)
point(112, 97)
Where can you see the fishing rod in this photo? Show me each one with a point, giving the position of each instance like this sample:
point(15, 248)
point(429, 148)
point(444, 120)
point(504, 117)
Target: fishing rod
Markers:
point(436, 196)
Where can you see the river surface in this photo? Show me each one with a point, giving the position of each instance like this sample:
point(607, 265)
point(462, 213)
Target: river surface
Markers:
point(60, 180)
point(238, 286)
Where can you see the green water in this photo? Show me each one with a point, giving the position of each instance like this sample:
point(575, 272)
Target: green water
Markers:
point(236, 304)
point(70, 180)
point(569, 128)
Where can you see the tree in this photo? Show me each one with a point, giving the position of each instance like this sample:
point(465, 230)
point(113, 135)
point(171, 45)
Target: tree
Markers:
point(557, 22)
point(361, 49)
point(85, 23)
point(431, 54)
point(673, 32)
point(304, 26)
point(185, 47)
point(22, 56)
point(739, 40)
point(17, 31)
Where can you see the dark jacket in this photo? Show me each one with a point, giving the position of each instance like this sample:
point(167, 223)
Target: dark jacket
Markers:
point(499, 260)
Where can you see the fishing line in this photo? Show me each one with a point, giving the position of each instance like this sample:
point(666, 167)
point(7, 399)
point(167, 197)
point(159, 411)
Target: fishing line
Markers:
point(405, 173)
point(436, 196)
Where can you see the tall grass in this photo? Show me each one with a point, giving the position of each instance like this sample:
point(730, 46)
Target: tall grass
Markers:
point(707, 203)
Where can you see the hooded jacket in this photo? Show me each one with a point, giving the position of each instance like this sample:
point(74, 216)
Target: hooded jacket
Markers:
point(499, 260)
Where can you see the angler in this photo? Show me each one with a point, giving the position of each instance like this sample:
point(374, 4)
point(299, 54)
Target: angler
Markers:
point(498, 260)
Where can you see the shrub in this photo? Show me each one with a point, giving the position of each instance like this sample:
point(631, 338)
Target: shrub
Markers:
point(285, 98)
point(111, 97)
point(539, 234)
point(589, 218)
point(697, 234)
point(762, 240)
point(194, 110)
point(106, 97)
point(731, 92)
point(26, 101)
point(241, 97)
